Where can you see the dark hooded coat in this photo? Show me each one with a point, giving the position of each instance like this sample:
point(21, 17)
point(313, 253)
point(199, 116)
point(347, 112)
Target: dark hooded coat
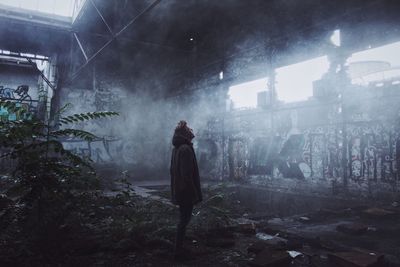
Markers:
point(185, 179)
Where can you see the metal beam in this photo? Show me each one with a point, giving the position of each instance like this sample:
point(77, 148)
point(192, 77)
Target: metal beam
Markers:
point(42, 75)
point(34, 17)
point(102, 18)
point(19, 55)
point(147, 9)
point(145, 43)
point(80, 46)
point(77, 9)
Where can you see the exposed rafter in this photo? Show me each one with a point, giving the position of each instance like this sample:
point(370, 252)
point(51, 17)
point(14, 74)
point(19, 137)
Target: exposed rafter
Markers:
point(80, 46)
point(39, 18)
point(114, 37)
point(102, 17)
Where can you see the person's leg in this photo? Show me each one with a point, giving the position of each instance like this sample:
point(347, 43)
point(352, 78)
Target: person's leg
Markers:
point(185, 213)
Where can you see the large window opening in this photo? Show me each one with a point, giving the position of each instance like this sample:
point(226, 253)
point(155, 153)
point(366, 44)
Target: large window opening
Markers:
point(295, 82)
point(54, 7)
point(245, 95)
point(375, 65)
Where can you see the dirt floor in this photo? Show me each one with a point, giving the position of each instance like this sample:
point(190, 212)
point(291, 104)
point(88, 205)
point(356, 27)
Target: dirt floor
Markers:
point(136, 227)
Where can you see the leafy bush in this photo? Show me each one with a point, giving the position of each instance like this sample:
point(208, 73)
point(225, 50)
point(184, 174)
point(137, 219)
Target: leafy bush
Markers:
point(46, 175)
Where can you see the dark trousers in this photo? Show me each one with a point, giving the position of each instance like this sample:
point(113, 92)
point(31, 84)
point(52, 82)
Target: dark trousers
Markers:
point(185, 213)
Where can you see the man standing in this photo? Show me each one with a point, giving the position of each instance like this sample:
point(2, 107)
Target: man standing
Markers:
point(185, 182)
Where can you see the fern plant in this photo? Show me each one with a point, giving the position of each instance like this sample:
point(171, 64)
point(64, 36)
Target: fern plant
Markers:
point(45, 171)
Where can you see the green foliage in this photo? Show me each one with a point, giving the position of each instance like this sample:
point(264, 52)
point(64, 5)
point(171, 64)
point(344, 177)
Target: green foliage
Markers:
point(84, 135)
point(86, 116)
point(11, 106)
point(45, 173)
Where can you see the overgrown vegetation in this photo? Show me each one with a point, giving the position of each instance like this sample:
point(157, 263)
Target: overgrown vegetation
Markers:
point(47, 182)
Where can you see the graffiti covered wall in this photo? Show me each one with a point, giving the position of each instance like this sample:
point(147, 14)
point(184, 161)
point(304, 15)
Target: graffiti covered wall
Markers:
point(20, 85)
point(136, 140)
point(315, 143)
point(303, 144)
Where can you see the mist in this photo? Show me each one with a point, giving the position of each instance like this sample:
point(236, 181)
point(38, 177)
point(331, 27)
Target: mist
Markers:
point(294, 108)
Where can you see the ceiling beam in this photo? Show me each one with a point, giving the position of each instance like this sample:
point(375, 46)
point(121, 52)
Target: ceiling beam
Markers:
point(114, 37)
point(102, 18)
point(34, 17)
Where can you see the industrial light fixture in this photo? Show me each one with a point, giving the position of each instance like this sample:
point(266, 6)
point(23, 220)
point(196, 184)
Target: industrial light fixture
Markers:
point(335, 38)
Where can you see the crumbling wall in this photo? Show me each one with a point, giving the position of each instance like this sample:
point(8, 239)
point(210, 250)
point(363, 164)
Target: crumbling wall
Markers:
point(354, 150)
point(139, 140)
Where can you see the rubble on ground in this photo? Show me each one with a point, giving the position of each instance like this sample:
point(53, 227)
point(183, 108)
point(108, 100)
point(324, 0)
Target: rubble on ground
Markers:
point(133, 229)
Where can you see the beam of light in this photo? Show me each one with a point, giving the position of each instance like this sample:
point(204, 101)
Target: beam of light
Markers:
point(295, 82)
point(55, 7)
point(245, 95)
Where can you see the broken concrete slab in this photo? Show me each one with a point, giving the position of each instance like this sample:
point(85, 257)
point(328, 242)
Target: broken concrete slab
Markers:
point(274, 242)
point(275, 221)
point(356, 259)
point(271, 258)
point(271, 239)
point(257, 216)
point(268, 229)
point(245, 226)
point(294, 253)
point(304, 219)
point(352, 228)
point(378, 213)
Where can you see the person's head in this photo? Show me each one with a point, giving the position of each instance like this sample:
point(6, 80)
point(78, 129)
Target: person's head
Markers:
point(183, 129)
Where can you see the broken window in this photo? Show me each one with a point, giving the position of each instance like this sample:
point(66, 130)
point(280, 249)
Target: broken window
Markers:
point(245, 95)
point(295, 82)
point(376, 65)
